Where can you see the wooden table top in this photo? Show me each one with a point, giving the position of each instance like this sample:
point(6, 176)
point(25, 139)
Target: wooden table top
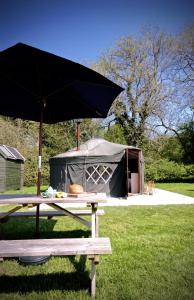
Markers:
point(30, 199)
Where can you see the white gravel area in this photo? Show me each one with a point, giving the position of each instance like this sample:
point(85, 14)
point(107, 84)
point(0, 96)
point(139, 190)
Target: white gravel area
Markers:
point(159, 197)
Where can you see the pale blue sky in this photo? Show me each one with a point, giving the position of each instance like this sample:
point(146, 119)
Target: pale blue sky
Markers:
point(82, 30)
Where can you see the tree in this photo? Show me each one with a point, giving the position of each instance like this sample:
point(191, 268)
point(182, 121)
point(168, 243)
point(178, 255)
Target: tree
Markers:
point(57, 138)
point(185, 56)
point(90, 128)
point(115, 134)
point(186, 135)
point(180, 119)
point(164, 147)
point(181, 78)
point(140, 66)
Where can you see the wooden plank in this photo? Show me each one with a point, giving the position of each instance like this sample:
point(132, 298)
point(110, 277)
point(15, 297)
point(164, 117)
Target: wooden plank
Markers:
point(80, 195)
point(52, 213)
point(55, 247)
point(15, 199)
point(12, 174)
point(7, 214)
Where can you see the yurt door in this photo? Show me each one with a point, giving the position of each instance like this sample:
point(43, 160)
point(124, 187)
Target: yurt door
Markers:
point(133, 171)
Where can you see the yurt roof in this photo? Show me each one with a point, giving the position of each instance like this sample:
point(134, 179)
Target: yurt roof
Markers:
point(96, 147)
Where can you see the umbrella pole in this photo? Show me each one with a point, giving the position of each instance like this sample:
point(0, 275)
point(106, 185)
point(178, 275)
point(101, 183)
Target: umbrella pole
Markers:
point(78, 135)
point(39, 173)
point(40, 155)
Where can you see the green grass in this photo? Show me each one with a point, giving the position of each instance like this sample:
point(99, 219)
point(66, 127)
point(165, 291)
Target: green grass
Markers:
point(26, 190)
point(186, 189)
point(152, 257)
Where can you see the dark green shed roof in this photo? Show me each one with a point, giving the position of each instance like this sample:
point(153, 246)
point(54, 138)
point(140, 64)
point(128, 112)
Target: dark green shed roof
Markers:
point(10, 153)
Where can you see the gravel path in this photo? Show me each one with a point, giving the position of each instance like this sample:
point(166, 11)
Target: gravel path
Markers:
point(160, 197)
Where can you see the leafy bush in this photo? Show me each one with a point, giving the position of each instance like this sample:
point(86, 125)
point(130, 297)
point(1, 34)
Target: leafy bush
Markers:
point(163, 170)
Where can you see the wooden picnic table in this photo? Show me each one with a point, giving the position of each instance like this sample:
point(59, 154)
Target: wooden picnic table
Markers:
point(21, 201)
point(92, 247)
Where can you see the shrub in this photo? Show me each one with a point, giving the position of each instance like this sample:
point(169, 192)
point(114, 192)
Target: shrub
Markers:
point(163, 170)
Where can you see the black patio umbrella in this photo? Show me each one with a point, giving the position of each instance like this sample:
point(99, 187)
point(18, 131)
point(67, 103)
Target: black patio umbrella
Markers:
point(40, 86)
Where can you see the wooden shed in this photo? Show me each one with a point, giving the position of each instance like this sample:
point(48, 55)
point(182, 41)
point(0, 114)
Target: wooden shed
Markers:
point(11, 168)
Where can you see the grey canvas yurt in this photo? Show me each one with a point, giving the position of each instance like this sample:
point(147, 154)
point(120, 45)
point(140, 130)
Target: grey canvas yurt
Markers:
point(99, 166)
point(11, 168)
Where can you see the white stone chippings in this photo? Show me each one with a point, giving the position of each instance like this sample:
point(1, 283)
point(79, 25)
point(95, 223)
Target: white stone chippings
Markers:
point(159, 197)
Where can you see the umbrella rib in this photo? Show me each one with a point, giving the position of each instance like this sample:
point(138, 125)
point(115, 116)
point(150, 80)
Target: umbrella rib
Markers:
point(21, 86)
point(78, 99)
point(69, 84)
point(59, 90)
point(81, 101)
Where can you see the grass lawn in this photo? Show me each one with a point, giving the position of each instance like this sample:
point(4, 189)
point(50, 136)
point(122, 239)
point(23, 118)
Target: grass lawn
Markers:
point(152, 257)
point(26, 190)
point(186, 189)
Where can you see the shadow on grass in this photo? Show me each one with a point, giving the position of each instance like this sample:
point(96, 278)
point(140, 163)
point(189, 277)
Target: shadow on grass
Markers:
point(79, 266)
point(24, 228)
point(76, 233)
point(73, 281)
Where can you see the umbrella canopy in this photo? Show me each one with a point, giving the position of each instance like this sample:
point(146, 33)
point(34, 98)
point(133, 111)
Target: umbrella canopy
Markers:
point(32, 81)
point(40, 86)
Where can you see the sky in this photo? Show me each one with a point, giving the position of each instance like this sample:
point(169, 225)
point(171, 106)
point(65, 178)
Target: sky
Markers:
point(81, 30)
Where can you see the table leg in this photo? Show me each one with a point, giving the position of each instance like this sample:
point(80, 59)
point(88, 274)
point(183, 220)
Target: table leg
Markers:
point(94, 228)
point(37, 234)
point(97, 226)
point(93, 278)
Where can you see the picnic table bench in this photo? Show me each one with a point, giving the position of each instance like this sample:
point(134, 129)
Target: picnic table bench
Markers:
point(91, 247)
point(55, 213)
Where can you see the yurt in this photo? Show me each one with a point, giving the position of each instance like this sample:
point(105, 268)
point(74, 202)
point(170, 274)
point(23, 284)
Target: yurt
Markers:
point(99, 166)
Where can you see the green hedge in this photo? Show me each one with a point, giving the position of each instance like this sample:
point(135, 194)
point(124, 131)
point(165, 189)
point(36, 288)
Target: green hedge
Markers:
point(163, 170)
